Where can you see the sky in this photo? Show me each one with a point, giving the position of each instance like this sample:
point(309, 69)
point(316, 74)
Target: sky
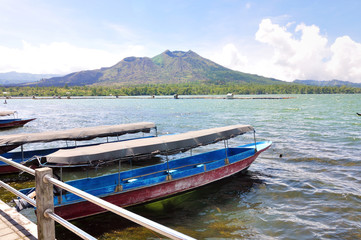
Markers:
point(282, 39)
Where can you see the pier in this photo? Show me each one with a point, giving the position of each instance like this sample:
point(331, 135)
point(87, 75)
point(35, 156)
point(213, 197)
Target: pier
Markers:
point(14, 226)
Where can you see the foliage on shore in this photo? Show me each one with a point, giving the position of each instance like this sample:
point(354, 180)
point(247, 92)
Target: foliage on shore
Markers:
point(171, 89)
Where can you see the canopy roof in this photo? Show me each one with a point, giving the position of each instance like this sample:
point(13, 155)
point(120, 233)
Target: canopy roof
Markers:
point(6, 113)
point(77, 133)
point(168, 144)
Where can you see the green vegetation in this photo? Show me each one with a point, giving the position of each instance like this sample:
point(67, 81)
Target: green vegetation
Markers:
point(171, 89)
point(175, 67)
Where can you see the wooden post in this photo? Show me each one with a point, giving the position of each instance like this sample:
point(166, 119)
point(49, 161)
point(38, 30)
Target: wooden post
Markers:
point(44, 201)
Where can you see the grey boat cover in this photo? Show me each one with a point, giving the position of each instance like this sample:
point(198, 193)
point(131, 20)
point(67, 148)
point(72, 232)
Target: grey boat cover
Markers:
point(168, 144)
point(6, 113)
point(77, 133)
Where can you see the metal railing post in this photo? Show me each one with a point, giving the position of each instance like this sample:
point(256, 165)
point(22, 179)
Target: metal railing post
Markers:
point(45, 206)
point(44, 203)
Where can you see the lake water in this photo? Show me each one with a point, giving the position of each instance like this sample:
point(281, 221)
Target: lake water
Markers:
point(307, 186)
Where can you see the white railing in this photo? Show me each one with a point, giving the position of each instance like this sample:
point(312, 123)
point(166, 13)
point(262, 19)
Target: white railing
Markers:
point(45, 206)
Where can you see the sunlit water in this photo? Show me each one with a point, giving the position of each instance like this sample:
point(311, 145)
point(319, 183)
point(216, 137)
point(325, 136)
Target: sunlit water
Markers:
point(307, 186)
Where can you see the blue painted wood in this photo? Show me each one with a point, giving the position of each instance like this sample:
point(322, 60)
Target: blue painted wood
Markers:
point(9, 120)
point(17, 156)
point(155, 174)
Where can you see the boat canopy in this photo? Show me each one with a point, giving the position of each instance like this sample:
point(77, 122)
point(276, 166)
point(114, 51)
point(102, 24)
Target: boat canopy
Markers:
point(77, 133)
point(6, 113)
point(168, 144)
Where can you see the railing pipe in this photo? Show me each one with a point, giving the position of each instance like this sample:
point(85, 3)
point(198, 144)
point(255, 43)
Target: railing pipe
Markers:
point(52, 215)
point(17, 193)
point(106, 205)
point(120, 211)
point(18, 165)
point(69, 226)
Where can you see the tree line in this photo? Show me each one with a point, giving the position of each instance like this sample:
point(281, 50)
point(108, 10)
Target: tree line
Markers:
point(172, 89)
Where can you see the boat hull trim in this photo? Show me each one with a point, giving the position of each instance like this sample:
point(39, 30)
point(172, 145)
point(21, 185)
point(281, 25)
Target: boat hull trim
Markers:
point(156, 182)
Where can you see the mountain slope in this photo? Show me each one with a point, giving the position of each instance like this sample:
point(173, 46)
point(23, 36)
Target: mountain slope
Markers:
point(12, 78)
point(332, 83)
point(167, 67)
point(81, 78)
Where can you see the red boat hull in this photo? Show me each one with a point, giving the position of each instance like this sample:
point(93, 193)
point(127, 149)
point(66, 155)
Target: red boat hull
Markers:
point(159, 191)
point(8, 169)
point(17, 123)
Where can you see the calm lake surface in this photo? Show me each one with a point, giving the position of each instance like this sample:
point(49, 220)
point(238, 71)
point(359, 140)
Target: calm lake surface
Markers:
point(307, 186)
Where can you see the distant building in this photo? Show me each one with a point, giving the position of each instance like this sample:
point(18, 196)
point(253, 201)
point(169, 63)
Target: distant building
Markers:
point(230, 95)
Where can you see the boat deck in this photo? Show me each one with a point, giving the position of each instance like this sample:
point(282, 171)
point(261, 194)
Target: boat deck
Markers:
point(13, 225)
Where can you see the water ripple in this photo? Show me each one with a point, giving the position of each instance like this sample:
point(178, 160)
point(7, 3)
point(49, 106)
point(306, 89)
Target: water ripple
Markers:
point(307, 186)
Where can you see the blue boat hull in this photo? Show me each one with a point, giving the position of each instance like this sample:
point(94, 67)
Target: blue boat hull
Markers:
point(159, 181)
point(20, 157)
point(16, 122)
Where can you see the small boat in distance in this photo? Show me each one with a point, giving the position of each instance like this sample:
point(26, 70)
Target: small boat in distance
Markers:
point(12, 122)
point(158, 181)
point(77, 134)
point(358, 114)
point(230, 95)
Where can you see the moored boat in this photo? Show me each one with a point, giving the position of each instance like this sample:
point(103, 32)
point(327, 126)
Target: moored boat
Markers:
point(150, 183)
point(12, 122)
point(76, 134)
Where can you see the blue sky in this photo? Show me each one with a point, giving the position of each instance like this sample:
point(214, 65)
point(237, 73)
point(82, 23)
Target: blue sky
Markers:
point(284, 39)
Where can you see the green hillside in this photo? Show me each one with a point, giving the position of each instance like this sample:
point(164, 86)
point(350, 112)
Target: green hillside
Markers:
point(166, 68)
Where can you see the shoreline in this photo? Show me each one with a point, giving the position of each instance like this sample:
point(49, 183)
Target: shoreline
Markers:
point(147, 97)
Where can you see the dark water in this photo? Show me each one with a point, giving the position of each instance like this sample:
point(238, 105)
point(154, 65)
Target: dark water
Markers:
point(307, 186)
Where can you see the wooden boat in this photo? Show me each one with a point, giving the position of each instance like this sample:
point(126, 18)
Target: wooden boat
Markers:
point(157, 181)
point(12, 122)
point(76, 134)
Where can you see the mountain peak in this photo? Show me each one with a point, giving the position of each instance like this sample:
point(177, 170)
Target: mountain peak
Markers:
point(324, 83)
point(167, 67)
point(178, 53)
point(129, 59)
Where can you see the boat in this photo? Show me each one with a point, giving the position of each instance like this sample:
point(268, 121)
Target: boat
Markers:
point(77, 134)
point(12, 122)
point(358, 114)
point(158, 181)
point(230, 95)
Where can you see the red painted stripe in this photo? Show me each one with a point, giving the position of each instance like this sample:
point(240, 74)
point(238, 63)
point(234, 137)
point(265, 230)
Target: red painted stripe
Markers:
point(15, 123)
point(8, 169)
point(161, 190)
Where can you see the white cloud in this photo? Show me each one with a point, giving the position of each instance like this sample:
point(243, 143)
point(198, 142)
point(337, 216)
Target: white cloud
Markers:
point(60, 57)
point(295, 58)
point(301, 53)
point(230, 56)
point(292, 51)
point(346, 60)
